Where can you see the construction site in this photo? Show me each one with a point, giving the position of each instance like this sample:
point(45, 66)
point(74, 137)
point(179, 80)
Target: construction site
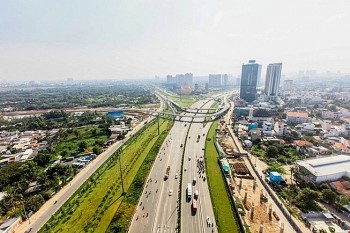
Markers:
point(253, 204)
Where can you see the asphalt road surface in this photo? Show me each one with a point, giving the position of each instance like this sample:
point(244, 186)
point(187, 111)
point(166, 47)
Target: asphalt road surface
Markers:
point(157, 210)
point(196, 221)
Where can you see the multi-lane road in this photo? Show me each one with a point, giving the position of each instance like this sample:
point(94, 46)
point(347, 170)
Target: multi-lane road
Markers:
point(194, 168)
point(157, 210)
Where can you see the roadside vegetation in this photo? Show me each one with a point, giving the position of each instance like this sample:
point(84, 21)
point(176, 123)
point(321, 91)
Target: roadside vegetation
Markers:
point(123, 216)
point(224, 214)
point(94, 206)
point(272, 152)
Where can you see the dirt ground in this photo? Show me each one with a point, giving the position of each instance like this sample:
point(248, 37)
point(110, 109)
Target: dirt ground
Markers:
point(261, 210)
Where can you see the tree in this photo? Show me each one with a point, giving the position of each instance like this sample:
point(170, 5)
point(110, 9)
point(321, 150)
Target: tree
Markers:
point(43, 159)
point(272, 151)
point(329, 196)
point(306, 199)
point(97, 150)
point(82, 145)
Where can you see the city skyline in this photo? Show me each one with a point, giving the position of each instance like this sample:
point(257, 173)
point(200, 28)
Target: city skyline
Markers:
point(140, 39)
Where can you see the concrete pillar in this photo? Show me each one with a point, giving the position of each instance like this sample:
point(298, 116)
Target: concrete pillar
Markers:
point(240, 184)
point(270, 212)
point(282, 228)
point(261, 228)
point(252, 212)
point(245, 197)
point(254, 185)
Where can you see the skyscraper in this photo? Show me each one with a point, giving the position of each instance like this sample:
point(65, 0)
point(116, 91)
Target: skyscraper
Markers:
point(249, 79)
point(218, 80)
point(215, 80)
point(273, 78)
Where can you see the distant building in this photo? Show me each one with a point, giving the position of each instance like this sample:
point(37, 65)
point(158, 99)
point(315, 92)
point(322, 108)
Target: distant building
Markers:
point(273, 78)
point(251, 73)
point(297, 117)
point(215, 80)
point(240, 103)
point(115, 114)
point(218, 80)
point(196, 87)
point(260, 115)
point(180, 79)
point(206, 87)
point(288, 85)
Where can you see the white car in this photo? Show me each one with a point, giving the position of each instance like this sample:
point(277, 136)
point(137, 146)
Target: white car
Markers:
point(176, 175)
point(208, 221)
point(170, 192)
point(185, 169)
point(189, 158)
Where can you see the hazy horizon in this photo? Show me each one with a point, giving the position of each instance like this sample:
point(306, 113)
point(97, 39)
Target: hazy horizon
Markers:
point(140, 39)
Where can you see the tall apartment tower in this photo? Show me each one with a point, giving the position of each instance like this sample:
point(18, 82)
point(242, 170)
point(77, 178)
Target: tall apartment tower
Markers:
point(273, 78)
point(249, 79)
point(288, 85)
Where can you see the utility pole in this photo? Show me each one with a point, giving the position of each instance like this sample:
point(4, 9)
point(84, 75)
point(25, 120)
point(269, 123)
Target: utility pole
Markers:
point(121, 174)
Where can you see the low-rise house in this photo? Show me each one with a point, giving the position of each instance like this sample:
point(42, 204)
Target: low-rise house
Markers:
point(260, 115)
point(334, 131)
point(302, 146)
point(306, 127)
point(297, 117)
point(341, 148)
point(281, 129)
point(27, 155)
point(255, 134)
point(267, 128)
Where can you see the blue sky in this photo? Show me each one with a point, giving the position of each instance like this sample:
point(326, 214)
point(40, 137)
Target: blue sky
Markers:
point(46, 40)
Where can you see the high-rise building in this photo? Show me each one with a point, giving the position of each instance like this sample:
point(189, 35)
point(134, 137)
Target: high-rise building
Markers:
point(218, 80)
point(225, 80)
point(180, 80)
point(171, 79)
point(249, 79)
point(215, 80)
point(272, 82)
point(288, 85)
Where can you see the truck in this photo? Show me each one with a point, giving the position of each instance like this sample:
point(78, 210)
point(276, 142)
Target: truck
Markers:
point(167, 171)
point(189, 191)
point(194, 205)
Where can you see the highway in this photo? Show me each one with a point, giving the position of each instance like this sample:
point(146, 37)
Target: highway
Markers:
point(196, 221)
point(38, 219)
point(157, 210)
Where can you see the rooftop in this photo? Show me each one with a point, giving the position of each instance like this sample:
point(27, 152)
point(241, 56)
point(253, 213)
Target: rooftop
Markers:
point(327, 165)
point(297, 114)
point(261, 113)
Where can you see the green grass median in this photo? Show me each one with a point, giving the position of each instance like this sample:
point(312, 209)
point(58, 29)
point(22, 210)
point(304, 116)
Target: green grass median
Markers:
point(93, 206)
point(224, 214)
